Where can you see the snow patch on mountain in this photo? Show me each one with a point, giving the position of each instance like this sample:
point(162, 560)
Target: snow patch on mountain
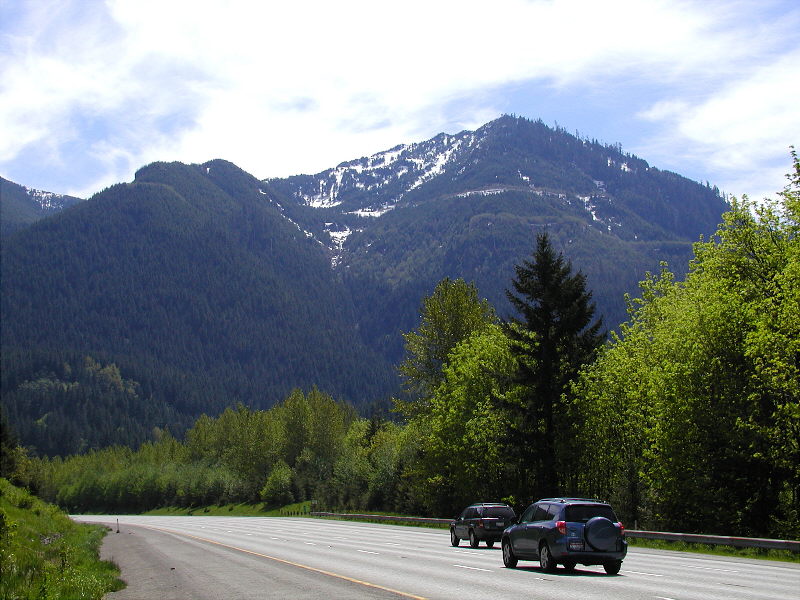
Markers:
point(590, 208)
point(623, 166)
point(377, 212)
point(486, 192)
point(406, 167)
point(433, 163)
point(47, 201)
point(339, 236)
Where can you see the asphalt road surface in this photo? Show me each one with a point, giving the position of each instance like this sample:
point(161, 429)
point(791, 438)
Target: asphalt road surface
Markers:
point(229, 558)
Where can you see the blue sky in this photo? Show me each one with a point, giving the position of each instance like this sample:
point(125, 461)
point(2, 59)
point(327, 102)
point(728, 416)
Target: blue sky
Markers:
point(92, 90)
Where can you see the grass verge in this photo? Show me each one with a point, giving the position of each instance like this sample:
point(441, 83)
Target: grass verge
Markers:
point(45, 555)
point(755, 553)
point(389, 522)
point(259, 509)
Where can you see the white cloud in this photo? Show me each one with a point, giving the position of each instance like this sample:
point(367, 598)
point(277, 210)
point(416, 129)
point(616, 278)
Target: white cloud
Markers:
point(280, 88)
point(742, 130)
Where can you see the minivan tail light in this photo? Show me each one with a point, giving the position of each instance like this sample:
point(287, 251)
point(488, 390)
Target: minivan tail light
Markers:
point(562, 527)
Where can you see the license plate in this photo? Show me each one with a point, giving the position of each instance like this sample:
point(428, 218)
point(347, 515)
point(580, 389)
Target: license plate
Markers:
point(575, 545)
point(500, 523)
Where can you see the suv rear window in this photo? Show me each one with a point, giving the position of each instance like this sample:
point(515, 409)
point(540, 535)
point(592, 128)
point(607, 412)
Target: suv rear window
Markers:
point(583, 512)
point(502, 512)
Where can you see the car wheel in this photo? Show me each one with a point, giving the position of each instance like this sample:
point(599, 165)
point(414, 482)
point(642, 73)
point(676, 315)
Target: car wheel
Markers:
point(490, 543)
point(509, 559)
point(613, 567)
point(473, 541)
point(546, 560)
point(454, 538)
point(569, 565)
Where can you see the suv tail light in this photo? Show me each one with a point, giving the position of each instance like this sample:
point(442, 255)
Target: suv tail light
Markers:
point(562, 527)
point(621, 528)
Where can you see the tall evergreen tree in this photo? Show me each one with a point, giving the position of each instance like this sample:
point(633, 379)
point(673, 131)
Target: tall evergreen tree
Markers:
point(555, 335)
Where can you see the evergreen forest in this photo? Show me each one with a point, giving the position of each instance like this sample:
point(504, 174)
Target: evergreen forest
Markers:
point(686, 416)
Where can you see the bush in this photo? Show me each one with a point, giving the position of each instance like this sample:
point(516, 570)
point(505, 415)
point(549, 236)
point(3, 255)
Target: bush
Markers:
point(277, 490)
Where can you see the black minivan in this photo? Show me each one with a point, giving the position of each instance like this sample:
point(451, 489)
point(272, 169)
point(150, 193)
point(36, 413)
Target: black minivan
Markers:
point(481, 522)
point(566, 531)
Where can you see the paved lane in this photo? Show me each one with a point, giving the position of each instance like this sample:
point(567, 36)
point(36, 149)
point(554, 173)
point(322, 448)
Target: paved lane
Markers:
point(251, 557)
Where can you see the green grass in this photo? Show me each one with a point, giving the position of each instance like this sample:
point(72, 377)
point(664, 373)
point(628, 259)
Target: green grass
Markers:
point(385, 522)
point(754, 553)
point(44, 555)
point(257, 509)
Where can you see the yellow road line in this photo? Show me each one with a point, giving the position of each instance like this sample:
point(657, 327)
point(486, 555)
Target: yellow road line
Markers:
point(293, 564)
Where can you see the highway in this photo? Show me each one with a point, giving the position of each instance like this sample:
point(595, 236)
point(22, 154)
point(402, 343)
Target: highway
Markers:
point(261, 557)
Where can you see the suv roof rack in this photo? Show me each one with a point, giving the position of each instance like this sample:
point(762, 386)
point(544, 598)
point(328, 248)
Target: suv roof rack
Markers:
point(565, 500)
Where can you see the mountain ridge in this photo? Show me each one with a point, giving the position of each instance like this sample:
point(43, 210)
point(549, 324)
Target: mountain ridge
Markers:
point(207, 286)
point(512, 172)
point(20, 205)
point(374, 185)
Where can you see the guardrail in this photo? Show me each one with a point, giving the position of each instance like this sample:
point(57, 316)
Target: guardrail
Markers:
point(420, 520)
point(721, 540)
point(694, 538)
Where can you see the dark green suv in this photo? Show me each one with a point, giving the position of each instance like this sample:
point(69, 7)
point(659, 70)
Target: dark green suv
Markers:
point(481, 522)
point(566, 531)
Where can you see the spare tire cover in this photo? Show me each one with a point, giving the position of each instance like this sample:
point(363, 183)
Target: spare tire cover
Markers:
point(601, 534)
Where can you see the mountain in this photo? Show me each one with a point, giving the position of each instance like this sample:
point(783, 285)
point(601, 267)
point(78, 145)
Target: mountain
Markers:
point(193, 285)
point(469, 205)
point(198, 286)
point(20, 206)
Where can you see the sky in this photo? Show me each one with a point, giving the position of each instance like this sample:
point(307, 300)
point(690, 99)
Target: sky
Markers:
point(92, 90)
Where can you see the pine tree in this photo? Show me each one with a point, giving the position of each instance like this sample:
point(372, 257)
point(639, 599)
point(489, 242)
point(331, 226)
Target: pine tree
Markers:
point(555, 335)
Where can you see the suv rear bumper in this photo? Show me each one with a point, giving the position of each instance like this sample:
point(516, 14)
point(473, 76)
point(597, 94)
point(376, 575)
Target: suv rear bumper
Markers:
point(488, 535)
point(561, 552)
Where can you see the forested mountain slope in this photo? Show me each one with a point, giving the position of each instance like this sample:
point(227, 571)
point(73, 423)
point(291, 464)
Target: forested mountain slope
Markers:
point(205, 287)
point(193, 284)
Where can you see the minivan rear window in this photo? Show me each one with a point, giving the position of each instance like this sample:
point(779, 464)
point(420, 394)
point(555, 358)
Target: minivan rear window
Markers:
point(581, 513)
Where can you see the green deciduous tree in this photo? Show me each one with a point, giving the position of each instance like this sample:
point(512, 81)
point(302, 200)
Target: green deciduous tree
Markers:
point(448, 316)
point(462, 458)
point(692, 414)
point(277, 490)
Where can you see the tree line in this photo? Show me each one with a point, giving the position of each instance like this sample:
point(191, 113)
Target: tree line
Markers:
point(687, 417)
